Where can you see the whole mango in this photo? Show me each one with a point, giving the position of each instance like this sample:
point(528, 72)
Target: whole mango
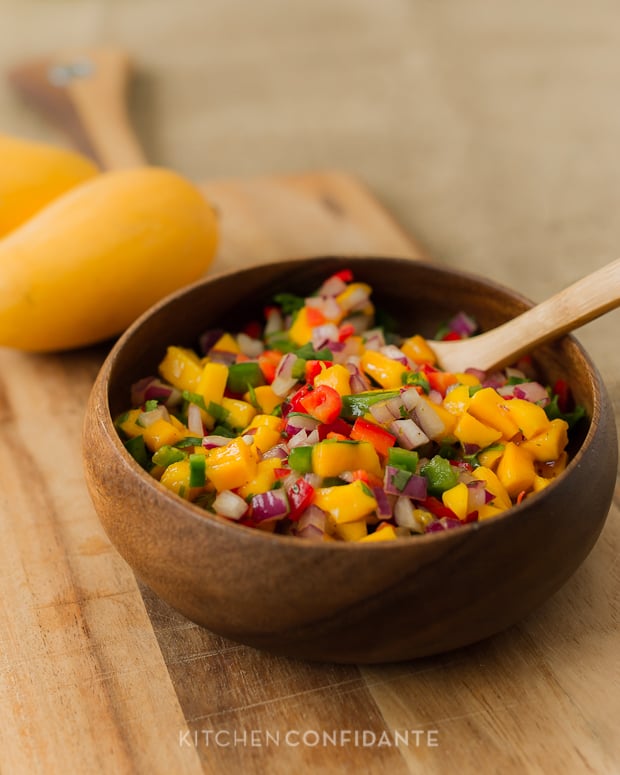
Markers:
point(32, 175)
point(83, 268)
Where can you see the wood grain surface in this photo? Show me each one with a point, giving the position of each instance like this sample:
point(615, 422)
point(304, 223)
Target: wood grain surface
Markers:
point(98, 675)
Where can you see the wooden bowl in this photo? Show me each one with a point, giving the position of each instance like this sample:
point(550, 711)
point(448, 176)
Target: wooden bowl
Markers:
point(347, 602)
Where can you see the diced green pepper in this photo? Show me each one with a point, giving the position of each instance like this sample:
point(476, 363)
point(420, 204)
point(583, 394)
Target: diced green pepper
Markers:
point(300, 459)
point(405, 459)
point(137, 449)
point(416, 378)
point(194, 398)
point(197, 470)
point(358, 404)
point(166, 455)
point(217, 411)
point(243, 376)
point(440, 474)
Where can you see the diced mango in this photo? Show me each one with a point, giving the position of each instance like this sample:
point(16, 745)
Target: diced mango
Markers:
point(351, 531)
point(417, 348)
point(159, 433)
point(227, 343)
point(352, 295)
point(383, 370)
point(265, 398)
point(493, 485)
point(176, 478)
point(232, 465)
point(240, 413)
point(489, 407)
point(301, 331)
point(445, 417)
point(489, 510)
point(268, 431)
point(554, 468)
point(333, 457)
point(490, 456)
point(337, 377)
point(469, 430)
point(516, 470)
point(540, 483)
point(346, 503)
point(128, 423)
point(211, 387)
point(471, 380)
point(550, 443)
point(384, 532)
point(263, 480)
point(457, 400)
point(456, 499)
point(181, 368)
point(530, 417)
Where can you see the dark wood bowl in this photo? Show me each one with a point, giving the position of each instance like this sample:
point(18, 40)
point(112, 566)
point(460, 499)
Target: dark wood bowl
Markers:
point(347, 602)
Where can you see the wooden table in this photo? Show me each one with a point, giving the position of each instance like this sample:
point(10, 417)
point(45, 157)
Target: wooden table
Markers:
point(98, 675)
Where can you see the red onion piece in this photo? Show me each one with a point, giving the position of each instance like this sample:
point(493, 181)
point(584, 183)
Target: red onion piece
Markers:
point(284, 379)
point(223, 356)
point(408, 434)
point(194, 420)
point(462, 324)
point(229, 504)
point(384, 506)
point(209, 442)
point(333, 286)
point(270, 505)
point(209, 338)
point(250, 346)
point(404, 515)
point(415, 486)
point(148, 418)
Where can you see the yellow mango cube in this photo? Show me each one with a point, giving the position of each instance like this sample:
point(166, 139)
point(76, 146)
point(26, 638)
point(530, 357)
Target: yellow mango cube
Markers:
point(384, 532)
point(337, 377)
point(530, 417)
point(181, 368)
point(550, 443)
point(351, 531)
point(268, 431)
point(490, 456)
point(383, 370)
point(301, 331)
point(469, 430)
point(231, 466)
point(456, 499)
point(516, 470)
point(331, 457)
point(159, 433)
point(457, 400)
point(489, 510)
point(263, 480)
point(346, 503)
point(494, 486)
point(128, 423)
point(176, 478)
point(418, 349)
point(489, 407)
point(211, 387)
point(264, 397)
point(227, 343)
point(240, 413)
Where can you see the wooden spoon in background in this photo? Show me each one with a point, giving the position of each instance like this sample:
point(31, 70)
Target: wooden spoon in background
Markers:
point(84, 91)
point(580, 303)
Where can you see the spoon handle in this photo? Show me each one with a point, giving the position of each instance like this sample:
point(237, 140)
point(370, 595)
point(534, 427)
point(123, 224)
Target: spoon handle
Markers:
point(584, 300)
point(84, 92)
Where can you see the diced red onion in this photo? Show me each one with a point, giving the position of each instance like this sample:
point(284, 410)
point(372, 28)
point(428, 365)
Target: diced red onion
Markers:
point(381, 412)
point(415, 486)
point(408, 434)
point(356, 299)
point(279, 451)
point(358, 382)
point(395, 354)
point(148, 418)
point(478, 373)
point(384, 505)
point(532, 391)
point(194, 420)
point(435, 396)
point(470, 449)
point(410, 398)
point(153, 389)
point(284, 379)
point(212, 441)
point(270, 505)
point(462, 324)
point(494, 379)
point(429, 421)
point(476, 495)
point(296, 422)
point(300, 439)
point(229, 504)
point(374, 339)
point(323, 334)
point(250, 346)
point(326, 305)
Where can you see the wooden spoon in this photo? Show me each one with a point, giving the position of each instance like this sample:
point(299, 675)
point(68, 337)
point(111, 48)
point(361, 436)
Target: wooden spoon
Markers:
point(84, 92)
point(581, 302)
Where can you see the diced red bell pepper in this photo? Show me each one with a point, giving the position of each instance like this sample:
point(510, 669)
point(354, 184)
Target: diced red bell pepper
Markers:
point(364, 430)
point(314, 367)
point(323, 402)
point(346, 275)
point(436, 507)
point(438, 380)
point(339, 426)
point(563, 393)
point(294, 404)
point(300, 495)
point(345, 331)
point(451, 336)
point(314, 317)
point(372, 480)
point(253, 329)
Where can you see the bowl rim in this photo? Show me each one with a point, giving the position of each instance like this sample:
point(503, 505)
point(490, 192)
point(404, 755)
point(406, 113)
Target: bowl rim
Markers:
point(202, 517)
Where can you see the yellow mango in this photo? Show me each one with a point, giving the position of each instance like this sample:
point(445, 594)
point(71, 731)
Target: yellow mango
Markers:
point(489, 407)
point(231, 466)
point(268, 431)
point(240, 413)
point(530, 417)
point(456, 498)
point(264, 397)
point(332, 458)
point(417, 348)
point(34, 174)
point(263, 480)
point(469, 430)
point(159, 433)
point(181, 368)
point(347, 502)
point(86, 265)
point(351, 531)
point(337, 377)
point(549, 444)
point(494, 486)
point(385, 532)
point(515, 470)
point(457, 399)
point(385, 371)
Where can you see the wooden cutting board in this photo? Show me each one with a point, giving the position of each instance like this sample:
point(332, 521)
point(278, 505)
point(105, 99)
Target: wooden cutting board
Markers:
point(97, 675)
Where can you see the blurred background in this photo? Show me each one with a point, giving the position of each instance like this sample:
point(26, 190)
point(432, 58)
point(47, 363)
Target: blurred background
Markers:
point(489, 129)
